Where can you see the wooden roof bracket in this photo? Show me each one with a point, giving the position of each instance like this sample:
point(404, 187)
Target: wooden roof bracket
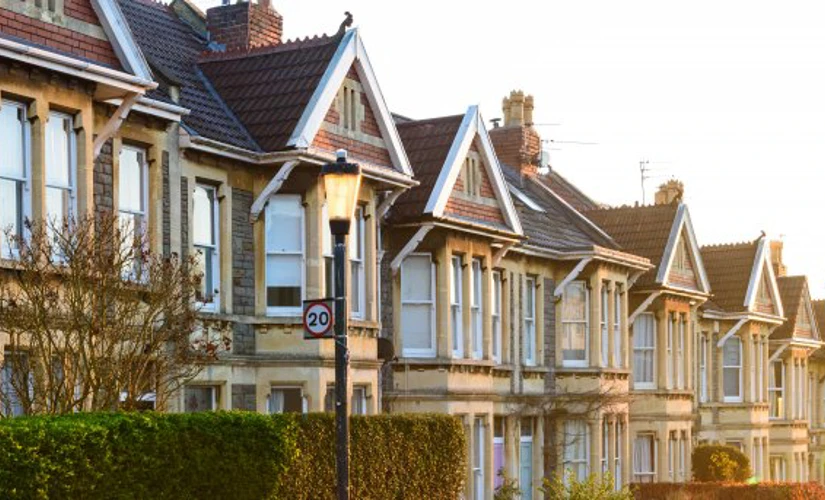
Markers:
point(388, 202)
point(115, 121)
point(410, 247)
point(731, 332)
point(643, 306)
point(501, 252)
point(571, 276)
point(273, 187)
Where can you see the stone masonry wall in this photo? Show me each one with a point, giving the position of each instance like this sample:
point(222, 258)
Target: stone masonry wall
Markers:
point(243, 271)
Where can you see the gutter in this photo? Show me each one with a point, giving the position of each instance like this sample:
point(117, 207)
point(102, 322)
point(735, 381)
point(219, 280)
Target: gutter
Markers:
point(157, 108)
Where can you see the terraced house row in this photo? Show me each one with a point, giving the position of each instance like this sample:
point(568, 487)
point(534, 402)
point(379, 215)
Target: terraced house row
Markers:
point(567, 335)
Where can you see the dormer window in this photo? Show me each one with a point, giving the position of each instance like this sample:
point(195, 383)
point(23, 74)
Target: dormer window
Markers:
point(471, 174)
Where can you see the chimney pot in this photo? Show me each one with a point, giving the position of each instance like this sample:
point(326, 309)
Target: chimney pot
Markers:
point(517, 143)
point(671, 191)
point(779, 267)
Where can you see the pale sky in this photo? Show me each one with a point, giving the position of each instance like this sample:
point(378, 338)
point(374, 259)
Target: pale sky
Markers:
point(728, 97)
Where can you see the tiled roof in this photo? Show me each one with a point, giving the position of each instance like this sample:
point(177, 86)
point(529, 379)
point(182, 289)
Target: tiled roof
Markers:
point(427, 143)
point(642, 231)
point(791, 291)
point(558, 227)
point(569, 193)
point(819, 313)
point(729, 268)
point(172, 49)
point(268, 88)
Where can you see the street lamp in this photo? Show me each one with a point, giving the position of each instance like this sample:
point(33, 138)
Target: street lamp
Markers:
point(341, 183)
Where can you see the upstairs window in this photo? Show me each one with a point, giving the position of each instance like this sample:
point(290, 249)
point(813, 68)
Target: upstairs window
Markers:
point(776, 389)
point(703, 367)
point(530, 322)
point(644, 351)
point(418, 306)
point(476, 310)
point(60, 169)
point(205, 240)
point(680, 351)
point(732, 369)
point(327, 253)
point(669, 350)
point(284, 255)
point(132, 202)
point(14, 175)
point(472, 174)
point(496, 317)
point(356, 258)
point(456, 310)
point(575, 324)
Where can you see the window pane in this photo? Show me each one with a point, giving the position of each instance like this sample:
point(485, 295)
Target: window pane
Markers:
point(198, 398)
point(205, 265)
point(416, 326)
point(57, 204)
point(574, 342)
point(530, 299)
point(283, 280)
point(57, 151)
point(286, 400)
point(11, 141)
point(573, 305)
point(11, 192)
point(203, 214)
point(130, 180)
point(455, 289)
point(283, 224)
point(732, 352)
point(416, 278)
point(355, 286)
point(731, 382)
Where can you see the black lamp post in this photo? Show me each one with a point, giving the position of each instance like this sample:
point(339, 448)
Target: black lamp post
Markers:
point(341, 183)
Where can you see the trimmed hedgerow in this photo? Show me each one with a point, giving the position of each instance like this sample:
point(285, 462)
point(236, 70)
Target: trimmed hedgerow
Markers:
point(729, 491)
point(234, 455)
point(402, 457)
point(720, 463)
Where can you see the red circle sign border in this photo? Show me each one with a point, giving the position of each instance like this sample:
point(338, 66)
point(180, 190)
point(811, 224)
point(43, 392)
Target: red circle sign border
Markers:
point(331, 323)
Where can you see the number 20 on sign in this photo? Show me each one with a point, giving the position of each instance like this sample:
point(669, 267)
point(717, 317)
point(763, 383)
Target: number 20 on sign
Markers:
point(318, 319)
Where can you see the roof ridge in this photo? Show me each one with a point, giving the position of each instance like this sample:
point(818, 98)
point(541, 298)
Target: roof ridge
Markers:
point(260, 50)
point(721, 246)
point(154, 3)
point(609, 208)
point(424, 121)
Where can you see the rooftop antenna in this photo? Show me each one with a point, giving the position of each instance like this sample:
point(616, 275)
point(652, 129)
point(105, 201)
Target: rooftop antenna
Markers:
point(645, 173)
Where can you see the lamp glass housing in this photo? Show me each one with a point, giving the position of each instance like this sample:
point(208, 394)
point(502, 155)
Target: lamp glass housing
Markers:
point(342, 182)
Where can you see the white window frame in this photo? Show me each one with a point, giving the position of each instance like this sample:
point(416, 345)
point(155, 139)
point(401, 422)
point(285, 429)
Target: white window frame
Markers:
point(725, 366)
point(577, 463)
point(357, 304)
point(71, 188)
point(359, 396)
point(680, 352)
point(529, 330)
point(669, 349)
point(578, 363)
point(139, 232)
point(286, 387)
point(479, 446)
point(526, 490)
point(605, 460)
point(618, 480)
point(775, 413)
point(477, 308)
point(604, 323)
point(327, 253)
point(760, 369)
point(703, 367)
point(408, 352)
point(618, 354)
point(25, 209)
point(287, 310)
point(215, 396)
point(646, 385)
point(214, 305)
point(496, 301)
point(752, 372)
point(457, 304)
point(650, 475)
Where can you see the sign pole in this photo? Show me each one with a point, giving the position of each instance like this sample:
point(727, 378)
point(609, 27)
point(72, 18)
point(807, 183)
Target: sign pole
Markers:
point(341, 368)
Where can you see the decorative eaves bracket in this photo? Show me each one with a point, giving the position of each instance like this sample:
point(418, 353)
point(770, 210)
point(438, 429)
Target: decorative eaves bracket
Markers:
point(273, 187)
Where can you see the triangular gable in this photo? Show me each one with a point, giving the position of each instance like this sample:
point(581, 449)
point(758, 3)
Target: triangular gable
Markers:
point(473, 194)
point(762, 275)
point(764, 301)
point(120, 36)
point(683, 271)
point(804, 320)
point(350, 52)
point(682, 233)
point(472, 131)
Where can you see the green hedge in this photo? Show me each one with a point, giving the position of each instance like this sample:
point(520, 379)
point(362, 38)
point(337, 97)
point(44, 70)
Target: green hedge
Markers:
point(720, 463)
point(728, 491)
point(232, 455)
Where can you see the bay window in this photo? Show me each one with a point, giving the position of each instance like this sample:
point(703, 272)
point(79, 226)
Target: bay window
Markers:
point(476, 310)
point(644, 351)
point(618, 355)
point(205, 220)
point(753, 372)
point(732, 370)
point(60, 170)
point(776, 389)
point(479, 445)
point(530, 322)
point(618, 480)
point(525, 458)
point(356, 259)
point(418, 306)
point(456, 309)
point(575, 324)
point(14, 175)
point(669, 352)
point(605, 462)
point(703, 368)
point(644, 458)
point(284, 255)
point(327, 253)
point(132, 203)
point(604, 314)
point(576, 449)
point(680, 352)
point(496, 317)
point(498, 451)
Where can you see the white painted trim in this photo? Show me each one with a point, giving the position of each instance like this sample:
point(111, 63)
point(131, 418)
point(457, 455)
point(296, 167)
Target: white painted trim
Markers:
point(410, 247)
point(634, 278)
point(531, 204)
point(809, 307)
point(273, 187)
point(761, 262)
point(778, 352)
point(572, 275)
point(154, 107)
point(120, 36)
point(731, 332)
point(495, 173)
point(682, 221)
point(113, 124)
point(643, 306)
point(388, 202)
point(452, 165)
point(350, 50)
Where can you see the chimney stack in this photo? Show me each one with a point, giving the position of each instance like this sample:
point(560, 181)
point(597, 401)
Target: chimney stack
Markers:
point(245, 25)
point(779, 268)
point(517, 143)
point(671, 191)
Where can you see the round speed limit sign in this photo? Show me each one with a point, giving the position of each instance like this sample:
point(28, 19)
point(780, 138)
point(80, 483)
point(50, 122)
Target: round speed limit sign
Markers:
point(318, 319)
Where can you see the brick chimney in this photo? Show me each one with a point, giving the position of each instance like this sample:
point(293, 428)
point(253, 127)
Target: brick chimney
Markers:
point(671, 191)
point(245, 25)
point(517, 143)
point(779, 268)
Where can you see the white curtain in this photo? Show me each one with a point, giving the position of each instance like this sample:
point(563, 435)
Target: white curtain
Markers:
point(642, 458)
point(276, 402)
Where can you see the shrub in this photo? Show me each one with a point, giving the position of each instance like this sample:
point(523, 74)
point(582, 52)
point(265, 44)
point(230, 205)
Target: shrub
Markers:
point(594, 487)
point(235, 455)
point(508, 489)
point(729, 491)
point(720, 463)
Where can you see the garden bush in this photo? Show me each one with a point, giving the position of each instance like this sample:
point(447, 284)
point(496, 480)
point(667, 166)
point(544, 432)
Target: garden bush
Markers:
point(720, 463)
point(729, 491)
point(235, 455)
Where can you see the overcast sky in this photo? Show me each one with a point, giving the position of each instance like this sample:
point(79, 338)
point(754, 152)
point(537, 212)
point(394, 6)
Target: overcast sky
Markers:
point(728, 97)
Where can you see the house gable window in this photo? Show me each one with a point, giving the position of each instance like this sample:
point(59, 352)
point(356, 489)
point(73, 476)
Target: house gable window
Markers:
point(456, 304)
point(575, 324)
point(15, 143)
point(477, 309)
point(644, 351)
point(732, 370)
point(530, 322)
point(61, 165)
point(284, 255)
point(418, 306)
point(205, 221)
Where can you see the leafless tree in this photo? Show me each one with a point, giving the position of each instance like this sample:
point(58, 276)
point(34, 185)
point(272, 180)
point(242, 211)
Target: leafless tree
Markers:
point(93, 320)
